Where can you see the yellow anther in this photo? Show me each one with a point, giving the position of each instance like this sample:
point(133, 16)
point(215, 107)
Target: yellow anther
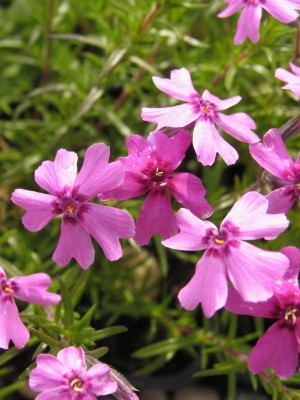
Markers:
point(158, 172)
point(76, 385)
point(71, 208)
point(219, 241)
point(205, 108)
point(8, 290)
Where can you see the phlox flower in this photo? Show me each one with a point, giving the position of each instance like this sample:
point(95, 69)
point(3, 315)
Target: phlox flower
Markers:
point(66, 377)
point(279, 347)
point(272, 155)
point(249, 21)
point(292, 79)
point(250, 270)
point(149, 168)
point(30, 288)
point(69, 196)
point(202, 113)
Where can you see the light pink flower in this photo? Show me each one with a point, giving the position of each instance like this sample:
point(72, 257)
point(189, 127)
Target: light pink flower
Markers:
point(30, 288)
point(149, 169)
point(249, 21)
point(292, 79)
point(66, 377)
point(69, 196)
point(279, 347)
point(201, 112)
point(250, 270)
point(272, 155)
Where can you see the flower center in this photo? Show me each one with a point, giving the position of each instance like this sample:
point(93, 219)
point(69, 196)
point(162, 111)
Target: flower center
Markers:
point(254, 2)
point(76, 385)
point(70, 203)
point(219, 241)
point(291, 315)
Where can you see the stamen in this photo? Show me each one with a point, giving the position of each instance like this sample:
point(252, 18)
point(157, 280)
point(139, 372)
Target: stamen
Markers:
point(163, 184)
point(71, 208)
point(219, 241)
point(205, 108)
point(8, 290)
point(292, 314)
point(76, 385)
point(158, 172)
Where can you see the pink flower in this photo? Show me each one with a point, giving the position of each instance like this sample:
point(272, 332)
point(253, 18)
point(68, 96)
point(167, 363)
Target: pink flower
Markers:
point(66, 377)
point(273, 156)
point(249, 21)
point(31, 288)
point(201, 112)
point(279, 347)
point(292, 79)
point(250, 270)
point(149, 169)
point(69, 196)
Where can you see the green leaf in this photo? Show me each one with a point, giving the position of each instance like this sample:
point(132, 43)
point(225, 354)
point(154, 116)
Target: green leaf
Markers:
point(68, 308)
point(106, 332)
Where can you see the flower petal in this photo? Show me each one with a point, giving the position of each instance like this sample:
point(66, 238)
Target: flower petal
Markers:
point(231, 8)
point(54, 176)
point(189, 192)
point(234, 125)
point(192, 232)
point(33, 288)
point(293, 254)
point(38, 206)
point(277, 349)
point(248, 24)
point(156, 216)
point(74, 242)
point(253, 271)
point(283, 12)
point(170, 149)
point(179, 86)
point(250, 215)
point(11, 326)
point(219, 103)
point(287, 76)
point(281, 200)
point(208, 142)
point(173, 117)
point(208, 286)
point(272, 155)
point(107, 225)
point(48, 374)
point(73, 359)
point(99, 378)
point(97, 175)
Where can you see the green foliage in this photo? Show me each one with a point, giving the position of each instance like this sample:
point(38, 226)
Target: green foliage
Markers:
point(74, 73)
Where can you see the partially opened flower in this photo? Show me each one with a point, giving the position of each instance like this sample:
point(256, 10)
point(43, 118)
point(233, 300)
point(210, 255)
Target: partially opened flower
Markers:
point(149, 169)
point(272, 155)
point(31, 288)
point(66, 377)
point(249, 21)
point(202, 113)
point(279, 347)
point(292, 79)
point(250, 270)
point(69, 196)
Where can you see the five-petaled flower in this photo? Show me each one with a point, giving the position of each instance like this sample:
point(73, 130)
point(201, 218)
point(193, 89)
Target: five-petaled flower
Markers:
point(30, 288)
point(66, 377)
point(250, 270)
point(249, 21)
point(292, 79)
point(69, 196)
point(272, 155)
point(149, 169)
point(202, 113)
point(279, 347)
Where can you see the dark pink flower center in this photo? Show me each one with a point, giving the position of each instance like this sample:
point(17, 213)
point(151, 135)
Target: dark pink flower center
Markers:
point(158, 173)
point(204, 108)
point(70, 203)
point(254, 2)
point(76, 385)
point(219, 241)
point(7, 289)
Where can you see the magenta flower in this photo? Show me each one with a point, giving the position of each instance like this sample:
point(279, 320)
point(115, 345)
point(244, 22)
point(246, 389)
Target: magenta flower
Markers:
point(30, 288)
point(279, 347)
point(69, 196)
point(66, 377)
point(201, 112)
point(250, 270)
point(149, 169)
point(249, 21)
point(273, 156)
point(292, 79)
